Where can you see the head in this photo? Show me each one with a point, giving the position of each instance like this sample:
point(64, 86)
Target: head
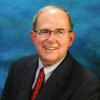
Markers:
point(52, 34)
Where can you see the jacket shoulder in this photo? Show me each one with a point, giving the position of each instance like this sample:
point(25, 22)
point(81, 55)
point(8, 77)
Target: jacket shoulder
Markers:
point(23, 62)
point(82, 71)
point(26, 59)
point(87, 83)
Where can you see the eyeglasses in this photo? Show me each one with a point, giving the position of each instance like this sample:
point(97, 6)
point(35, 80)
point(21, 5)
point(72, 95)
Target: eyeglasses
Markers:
point(47, 32)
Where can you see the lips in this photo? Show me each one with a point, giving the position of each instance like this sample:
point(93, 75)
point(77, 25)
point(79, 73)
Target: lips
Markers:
point(50, 47)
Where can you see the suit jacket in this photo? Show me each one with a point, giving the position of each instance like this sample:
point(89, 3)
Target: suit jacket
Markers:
point(69, 81)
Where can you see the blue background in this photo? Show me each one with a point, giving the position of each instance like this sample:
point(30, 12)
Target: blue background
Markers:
point(16, 23)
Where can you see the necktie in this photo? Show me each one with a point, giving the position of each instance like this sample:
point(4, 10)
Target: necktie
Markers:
point(38, 84)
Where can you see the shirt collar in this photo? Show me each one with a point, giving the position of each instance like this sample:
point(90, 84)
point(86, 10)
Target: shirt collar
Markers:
point(49, 69)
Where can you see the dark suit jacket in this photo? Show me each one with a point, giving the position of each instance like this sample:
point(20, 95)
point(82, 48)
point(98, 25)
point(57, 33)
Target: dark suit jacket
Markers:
point(69, 81)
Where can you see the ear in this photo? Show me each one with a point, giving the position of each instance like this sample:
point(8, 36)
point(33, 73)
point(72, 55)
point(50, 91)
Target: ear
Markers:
point(71, 38)
point(32, 35)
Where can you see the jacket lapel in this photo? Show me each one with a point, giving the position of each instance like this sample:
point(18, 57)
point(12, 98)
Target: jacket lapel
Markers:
point(56, 81)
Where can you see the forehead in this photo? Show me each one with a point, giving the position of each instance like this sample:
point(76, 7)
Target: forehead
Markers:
point(53, 16)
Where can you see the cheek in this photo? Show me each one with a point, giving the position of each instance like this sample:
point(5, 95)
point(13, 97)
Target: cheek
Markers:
point(38, 42)
point(64, 43)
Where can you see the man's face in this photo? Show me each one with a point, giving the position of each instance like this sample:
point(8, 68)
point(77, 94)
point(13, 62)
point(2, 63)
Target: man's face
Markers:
point(52, 49)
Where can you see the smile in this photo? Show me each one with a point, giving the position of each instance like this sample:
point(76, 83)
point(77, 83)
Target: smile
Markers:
point(50, 48)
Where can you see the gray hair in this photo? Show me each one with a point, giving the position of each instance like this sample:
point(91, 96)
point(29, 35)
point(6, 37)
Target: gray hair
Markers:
point(35, 18)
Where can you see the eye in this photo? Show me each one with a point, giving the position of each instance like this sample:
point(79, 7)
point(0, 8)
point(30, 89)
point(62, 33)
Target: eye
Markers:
point(60, 31)
point(44, 31)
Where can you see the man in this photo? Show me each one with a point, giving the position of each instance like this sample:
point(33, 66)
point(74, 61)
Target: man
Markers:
point(64, 78)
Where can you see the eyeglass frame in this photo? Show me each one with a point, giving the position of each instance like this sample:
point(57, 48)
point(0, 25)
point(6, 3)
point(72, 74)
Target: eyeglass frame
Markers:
point(49, 32)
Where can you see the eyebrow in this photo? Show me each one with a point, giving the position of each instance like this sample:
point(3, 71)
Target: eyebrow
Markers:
point(50, 29)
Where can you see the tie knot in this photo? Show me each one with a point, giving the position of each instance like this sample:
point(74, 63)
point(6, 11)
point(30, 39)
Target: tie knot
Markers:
point(42, 73)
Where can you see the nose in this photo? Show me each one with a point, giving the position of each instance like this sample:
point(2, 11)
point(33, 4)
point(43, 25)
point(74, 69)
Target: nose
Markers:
point(52, 37)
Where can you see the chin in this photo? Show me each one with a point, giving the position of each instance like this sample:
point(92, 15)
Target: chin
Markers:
point(50, 57)
point(50, 61)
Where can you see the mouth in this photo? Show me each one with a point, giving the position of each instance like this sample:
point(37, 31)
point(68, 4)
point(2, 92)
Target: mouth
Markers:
point(50, 48)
